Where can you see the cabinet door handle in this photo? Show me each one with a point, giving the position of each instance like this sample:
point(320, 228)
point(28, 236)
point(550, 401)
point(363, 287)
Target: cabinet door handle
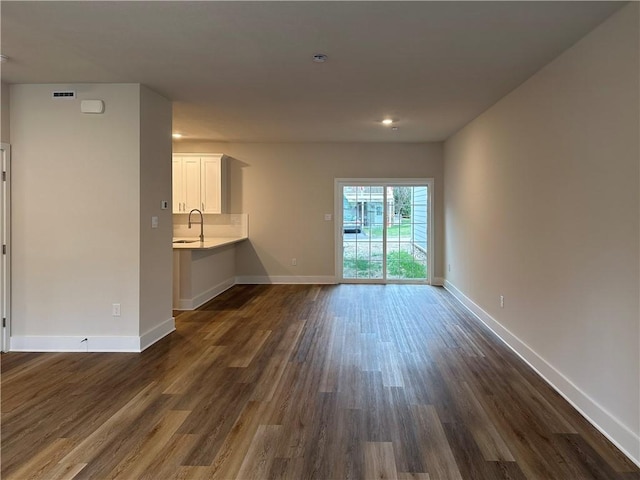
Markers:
point(203, 207)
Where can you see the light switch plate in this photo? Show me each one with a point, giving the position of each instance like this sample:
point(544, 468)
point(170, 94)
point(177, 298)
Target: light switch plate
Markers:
point(327, 217)
point(154, 222)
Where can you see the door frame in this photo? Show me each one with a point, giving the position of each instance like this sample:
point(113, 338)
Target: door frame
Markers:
point(385, 182)
point(5, 241)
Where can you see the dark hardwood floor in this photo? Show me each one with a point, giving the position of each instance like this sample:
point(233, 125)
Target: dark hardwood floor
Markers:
point(296, 382)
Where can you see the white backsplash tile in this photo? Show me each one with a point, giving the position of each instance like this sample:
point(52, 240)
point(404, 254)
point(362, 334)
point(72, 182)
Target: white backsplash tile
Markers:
point(223, 225)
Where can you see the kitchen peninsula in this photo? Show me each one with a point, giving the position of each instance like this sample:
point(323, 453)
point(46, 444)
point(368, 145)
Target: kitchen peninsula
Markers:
point(203, 270)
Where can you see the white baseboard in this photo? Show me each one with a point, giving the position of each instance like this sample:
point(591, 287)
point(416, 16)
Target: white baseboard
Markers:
point(437, 281)
point(156, 333)
point(51, 343)
point(204, 297)
point(57, 343)
point(286, 279)
point(619, 434)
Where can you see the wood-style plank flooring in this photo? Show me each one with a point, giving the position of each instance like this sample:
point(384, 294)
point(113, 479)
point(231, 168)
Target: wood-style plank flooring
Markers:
point(300, 382)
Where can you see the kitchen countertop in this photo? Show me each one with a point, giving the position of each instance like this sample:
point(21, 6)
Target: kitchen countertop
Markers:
point(209, 243)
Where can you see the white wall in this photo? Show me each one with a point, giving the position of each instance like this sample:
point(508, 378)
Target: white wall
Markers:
point(5, 128)
point(156, 264)
point(287, 188)
point(542, 206)
point(77, 208)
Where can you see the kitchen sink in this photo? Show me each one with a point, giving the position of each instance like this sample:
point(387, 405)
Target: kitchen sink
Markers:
point(185, 241)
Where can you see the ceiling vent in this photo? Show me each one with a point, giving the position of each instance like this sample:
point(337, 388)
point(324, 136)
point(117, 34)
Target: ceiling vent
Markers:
point(64, 94)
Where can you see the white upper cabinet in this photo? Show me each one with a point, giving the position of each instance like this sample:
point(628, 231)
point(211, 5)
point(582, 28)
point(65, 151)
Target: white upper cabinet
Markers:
point(199, 181)
point(177, 184)
point(211, 184)
point(191, 183)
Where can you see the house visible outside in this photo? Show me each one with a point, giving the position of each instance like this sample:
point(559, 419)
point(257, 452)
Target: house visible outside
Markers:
point(364, 206)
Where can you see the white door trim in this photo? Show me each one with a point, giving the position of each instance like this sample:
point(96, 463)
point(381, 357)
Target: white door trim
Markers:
point(5, 244)
point(337, 215)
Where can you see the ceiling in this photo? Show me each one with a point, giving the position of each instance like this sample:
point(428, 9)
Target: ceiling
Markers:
point(243, 71)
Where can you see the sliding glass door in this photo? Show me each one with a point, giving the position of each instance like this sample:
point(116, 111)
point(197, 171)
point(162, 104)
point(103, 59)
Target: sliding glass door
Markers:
point(383, 230)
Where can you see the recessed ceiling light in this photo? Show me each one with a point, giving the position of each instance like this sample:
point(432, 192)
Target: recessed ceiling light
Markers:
point(320, 58)
point(387, 121)
point(3, 58)
point(177, 135)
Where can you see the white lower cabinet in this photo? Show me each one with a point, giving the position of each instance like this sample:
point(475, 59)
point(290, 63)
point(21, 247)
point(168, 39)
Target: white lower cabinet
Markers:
point(199, 181)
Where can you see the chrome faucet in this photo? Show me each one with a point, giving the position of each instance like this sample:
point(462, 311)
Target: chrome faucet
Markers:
point(201, 223)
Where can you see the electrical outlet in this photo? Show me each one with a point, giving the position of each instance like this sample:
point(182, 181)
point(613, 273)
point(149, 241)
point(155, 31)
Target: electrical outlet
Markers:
point(501, 301)
point(294, 262)
point(115, 310)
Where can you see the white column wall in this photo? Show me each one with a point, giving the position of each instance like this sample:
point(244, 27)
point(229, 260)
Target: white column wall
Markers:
point(75, 211)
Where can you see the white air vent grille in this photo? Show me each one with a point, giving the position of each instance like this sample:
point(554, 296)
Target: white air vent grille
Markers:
point(64, 94)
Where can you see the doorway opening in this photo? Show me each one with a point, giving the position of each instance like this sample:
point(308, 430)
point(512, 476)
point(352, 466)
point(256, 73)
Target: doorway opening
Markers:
point(384, 230)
